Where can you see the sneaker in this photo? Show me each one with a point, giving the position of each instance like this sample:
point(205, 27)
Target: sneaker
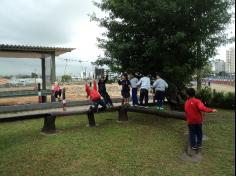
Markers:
point(199, 146)
point(194, 148)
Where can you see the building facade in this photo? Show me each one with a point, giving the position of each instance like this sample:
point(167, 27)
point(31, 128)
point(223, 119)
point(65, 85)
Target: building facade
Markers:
point(230, 60)
point(219, 66)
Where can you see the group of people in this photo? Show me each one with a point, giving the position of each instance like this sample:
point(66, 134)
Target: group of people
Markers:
point(193, 106)
point(128, 82)
point(144, 84)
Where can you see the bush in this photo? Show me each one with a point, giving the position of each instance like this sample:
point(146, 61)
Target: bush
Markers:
point(229, 101)
point(205, 95)
point(216, 99)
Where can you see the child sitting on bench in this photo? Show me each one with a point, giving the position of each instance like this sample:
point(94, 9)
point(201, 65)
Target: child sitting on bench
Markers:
point(56, 90)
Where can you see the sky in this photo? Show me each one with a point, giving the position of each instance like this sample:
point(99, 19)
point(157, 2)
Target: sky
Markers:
point(56, 23)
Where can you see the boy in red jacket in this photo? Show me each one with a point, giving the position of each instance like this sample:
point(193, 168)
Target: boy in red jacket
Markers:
point(95, 97)
point(193, 108)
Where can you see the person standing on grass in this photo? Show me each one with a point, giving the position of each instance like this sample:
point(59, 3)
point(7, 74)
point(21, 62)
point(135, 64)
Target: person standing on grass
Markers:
point(160, 87)
point(145, 85)
point(95, 97)
point(125, 91)
point(193, 109)
point(102, 90)
point(133, 82)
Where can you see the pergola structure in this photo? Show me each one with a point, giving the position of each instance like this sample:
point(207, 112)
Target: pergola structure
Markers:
point(47, 56)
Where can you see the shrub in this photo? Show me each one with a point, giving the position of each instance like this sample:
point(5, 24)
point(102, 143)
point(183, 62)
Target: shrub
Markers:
point(229, 101)
point(217, 99)
point(205, 95)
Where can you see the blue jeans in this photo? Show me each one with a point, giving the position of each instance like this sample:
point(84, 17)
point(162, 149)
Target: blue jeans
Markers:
point(195, 135)
point(98, 102)
point(160, 96)
point(134, 96)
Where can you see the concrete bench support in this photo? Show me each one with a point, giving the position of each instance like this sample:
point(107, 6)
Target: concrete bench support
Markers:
point(49, 124)
point(91, 118)
point(122, 115)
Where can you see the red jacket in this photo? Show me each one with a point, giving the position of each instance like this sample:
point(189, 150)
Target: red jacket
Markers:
point(94, 94)
point(193, 108)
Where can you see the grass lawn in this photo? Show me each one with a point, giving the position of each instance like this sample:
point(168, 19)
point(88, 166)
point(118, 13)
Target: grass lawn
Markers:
point(146, 146)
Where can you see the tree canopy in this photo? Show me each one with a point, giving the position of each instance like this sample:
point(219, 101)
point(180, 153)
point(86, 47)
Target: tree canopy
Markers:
point(166, 36)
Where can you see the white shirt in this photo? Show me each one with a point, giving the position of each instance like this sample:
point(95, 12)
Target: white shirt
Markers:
point(134, 82)
point(145, 83)
point(160, 85)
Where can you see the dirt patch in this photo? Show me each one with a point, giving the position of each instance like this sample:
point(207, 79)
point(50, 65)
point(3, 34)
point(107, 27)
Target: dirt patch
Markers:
point(73, 92)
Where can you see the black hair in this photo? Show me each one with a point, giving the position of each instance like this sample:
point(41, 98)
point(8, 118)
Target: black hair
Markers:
point(158, 74)
point(190, 92)
point(125, 75)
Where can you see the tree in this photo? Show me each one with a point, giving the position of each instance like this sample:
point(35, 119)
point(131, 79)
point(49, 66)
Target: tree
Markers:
point(66, 78)
point(205, 71)
point(167, 36)
point(34, 75)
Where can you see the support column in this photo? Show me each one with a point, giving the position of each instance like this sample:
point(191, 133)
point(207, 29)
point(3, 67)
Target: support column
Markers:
point(53, 68)
point(43, 73)
point(122, 115)
point(91, 119)
point(53, 73)
point(49, 124)
point(43, 67)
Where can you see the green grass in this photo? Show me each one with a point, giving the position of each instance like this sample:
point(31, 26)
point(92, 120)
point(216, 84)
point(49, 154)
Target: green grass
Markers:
point(146, 146)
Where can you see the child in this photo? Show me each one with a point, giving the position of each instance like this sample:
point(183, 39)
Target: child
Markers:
point(193, 108)
point(125, 91)
point(134, 87)
point(95, 96)
point(56, 90)
point(145, 85)
point(160, 87)
point(102, 90)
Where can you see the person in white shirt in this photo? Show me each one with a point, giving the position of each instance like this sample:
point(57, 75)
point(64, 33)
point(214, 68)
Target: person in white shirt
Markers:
point(145, 85)
point(160, 87)
point(134, 86)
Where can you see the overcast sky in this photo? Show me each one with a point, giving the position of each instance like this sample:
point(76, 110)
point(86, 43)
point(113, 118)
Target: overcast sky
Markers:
point(62, 23)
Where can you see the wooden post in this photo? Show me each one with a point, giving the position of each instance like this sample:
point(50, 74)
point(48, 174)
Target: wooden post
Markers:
point(49, 124)
point(64, 99)
point(122, 115)
point(39, 93)
point(91, 119)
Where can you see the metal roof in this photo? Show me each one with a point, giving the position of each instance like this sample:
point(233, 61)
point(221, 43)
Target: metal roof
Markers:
point(27, 51)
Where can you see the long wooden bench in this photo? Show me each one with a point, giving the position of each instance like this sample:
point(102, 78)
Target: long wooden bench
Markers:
point(50, 117)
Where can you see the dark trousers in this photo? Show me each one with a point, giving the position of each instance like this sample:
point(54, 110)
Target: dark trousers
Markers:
point(134, 96)
point(106, 98)
point(195, 135)
point(143, 95)
point(57, 94)
point(160, 96)
point(98, 102)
